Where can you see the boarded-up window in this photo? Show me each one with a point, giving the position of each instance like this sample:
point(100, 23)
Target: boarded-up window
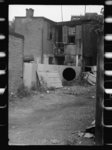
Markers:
point(65, 34)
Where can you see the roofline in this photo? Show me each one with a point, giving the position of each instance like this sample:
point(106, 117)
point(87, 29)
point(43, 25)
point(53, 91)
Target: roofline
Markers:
point(82, 20)
point(16, 34)
point(40, 17)
point(74, 22)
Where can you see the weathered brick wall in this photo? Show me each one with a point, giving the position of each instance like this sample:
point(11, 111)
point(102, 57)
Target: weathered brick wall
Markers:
point(15, 62)
point(48, 44)
point(31, 28)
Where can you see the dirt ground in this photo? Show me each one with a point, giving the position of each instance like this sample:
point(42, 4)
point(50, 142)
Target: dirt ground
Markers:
point(52, 118)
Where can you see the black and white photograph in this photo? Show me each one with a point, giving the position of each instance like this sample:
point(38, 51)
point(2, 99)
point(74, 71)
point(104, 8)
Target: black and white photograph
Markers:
point(54, 70)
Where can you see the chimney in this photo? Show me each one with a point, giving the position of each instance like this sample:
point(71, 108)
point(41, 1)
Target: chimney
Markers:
point(29, 13)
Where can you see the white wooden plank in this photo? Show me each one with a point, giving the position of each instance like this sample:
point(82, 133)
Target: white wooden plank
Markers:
point(50, 75)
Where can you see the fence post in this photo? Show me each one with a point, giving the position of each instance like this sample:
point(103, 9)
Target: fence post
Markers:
point(99, 93)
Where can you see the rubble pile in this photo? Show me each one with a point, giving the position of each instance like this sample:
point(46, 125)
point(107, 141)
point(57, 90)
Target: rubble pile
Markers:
point(89, 131)
point(75, 90)
point(90, 77)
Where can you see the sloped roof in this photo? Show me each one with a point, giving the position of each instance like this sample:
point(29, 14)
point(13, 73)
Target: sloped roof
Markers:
point(39, 18)
point(82, 20)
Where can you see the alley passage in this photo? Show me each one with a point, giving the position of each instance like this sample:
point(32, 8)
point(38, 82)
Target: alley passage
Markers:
point(52, 118)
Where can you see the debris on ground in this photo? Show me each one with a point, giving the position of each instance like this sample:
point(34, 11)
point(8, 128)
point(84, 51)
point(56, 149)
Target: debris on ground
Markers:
point(80, 134)
point(88, 135)
point(54, 141)
point(41, 95)
point(89, 132)
point(47, 92)
point(71, 141)
point(93, 97)
point(12, 94)
point(93, 122)
point(13, 127)
point(35, 92)
point(55, 120)
point(75, 90)
point(91, 129)
point(90, 77)
point(79, 142)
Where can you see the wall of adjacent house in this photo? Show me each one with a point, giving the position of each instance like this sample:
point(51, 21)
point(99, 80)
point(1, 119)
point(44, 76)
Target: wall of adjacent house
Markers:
point(49, 35)
point(73, 51)
point(15, 62)
point(32, 31)
point(78, 39)
point(49, 41)
point(31, 28)
point(89, 45)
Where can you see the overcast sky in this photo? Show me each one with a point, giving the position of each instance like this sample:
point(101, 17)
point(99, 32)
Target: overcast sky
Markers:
point(53, 12)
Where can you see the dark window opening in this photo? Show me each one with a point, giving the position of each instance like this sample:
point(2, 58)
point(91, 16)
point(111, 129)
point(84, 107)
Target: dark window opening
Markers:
point(71, 39)
point(60, 34)
point(50, 32)
point(59, 48)
point(87, 69)
point(50, 60)
point(60, 60)
point(50, 36)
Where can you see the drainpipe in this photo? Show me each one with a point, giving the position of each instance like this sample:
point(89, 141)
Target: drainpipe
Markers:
point(42, 46)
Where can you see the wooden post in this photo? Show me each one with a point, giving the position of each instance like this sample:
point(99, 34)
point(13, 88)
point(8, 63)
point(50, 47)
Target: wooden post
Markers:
point(99, 94)
point(76, 60)
point(82, 47)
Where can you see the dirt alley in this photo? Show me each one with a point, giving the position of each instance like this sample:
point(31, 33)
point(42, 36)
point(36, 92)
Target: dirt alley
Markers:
point(52, 118)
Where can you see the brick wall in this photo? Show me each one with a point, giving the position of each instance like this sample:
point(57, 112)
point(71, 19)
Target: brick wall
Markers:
point(15, 62)
point(31, 28)
point(48, 43)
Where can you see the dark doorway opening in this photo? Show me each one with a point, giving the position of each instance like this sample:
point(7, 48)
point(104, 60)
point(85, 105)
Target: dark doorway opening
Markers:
point(87, 68)
point(60, 60)
point(69, 74)
point(50, 60)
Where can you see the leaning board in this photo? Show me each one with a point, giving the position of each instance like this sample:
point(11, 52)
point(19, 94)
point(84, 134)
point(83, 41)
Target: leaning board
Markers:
point(49, 75)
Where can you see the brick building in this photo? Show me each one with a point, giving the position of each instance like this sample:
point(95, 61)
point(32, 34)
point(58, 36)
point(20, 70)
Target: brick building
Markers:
point(39, 34)
point(15, 61)
point(62, 43)
point(47, 41)
point(68, 43)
